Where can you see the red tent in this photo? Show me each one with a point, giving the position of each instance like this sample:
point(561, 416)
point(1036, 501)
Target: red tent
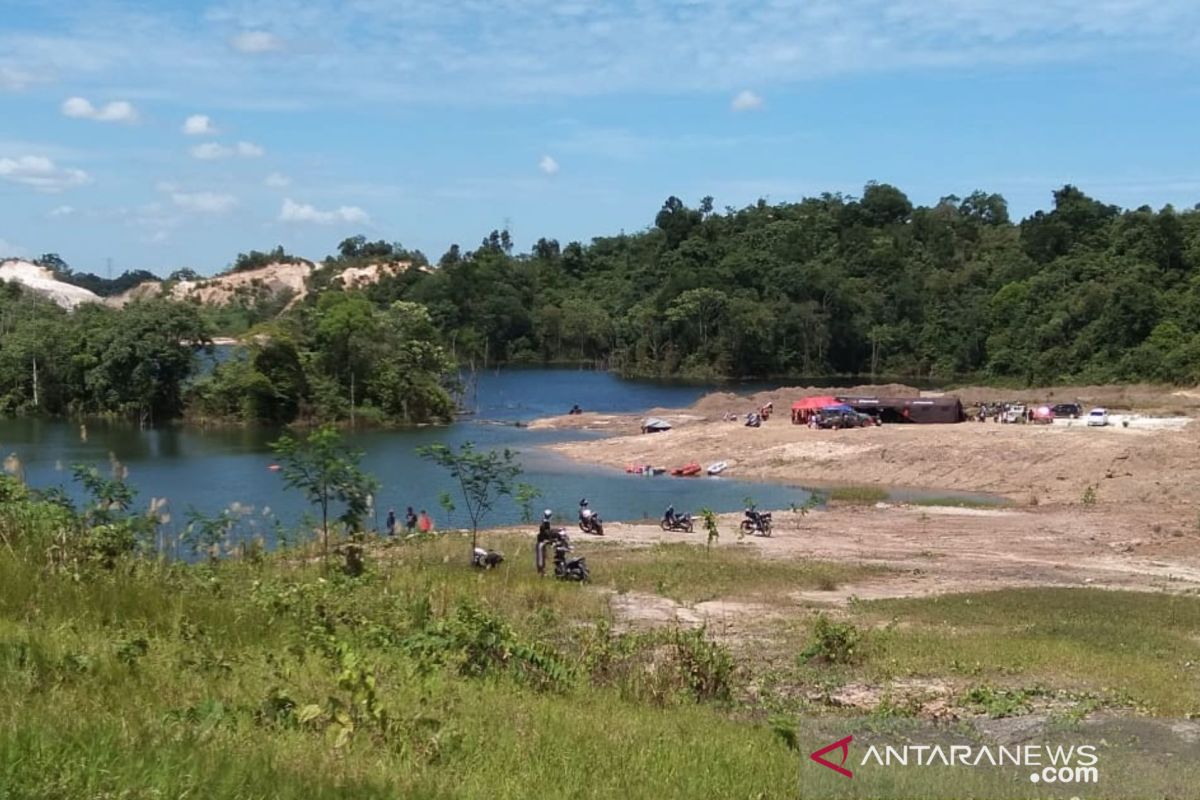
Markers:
point(803, 408)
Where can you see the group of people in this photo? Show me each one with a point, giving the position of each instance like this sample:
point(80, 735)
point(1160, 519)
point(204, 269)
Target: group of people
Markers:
point(755, 418)
point(413, 522)
point(1001, 413)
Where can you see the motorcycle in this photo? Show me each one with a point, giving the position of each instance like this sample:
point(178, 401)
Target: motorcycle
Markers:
point(568, 569)
point(757, 522)
point(677, 522)
point(589, 521)
point(486, 559)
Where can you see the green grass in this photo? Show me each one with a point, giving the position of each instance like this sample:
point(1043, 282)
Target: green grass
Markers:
point(858, 495)
point(426, 679)
point(1127, 646)
point(957, 502)
point(687, 573)
point(1085, 647)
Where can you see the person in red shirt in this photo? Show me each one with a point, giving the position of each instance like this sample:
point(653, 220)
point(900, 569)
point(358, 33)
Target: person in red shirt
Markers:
point(424, 523)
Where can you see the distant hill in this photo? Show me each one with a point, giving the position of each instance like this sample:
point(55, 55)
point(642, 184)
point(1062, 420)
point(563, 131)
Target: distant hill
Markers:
point(276, 280)
point(43, 281)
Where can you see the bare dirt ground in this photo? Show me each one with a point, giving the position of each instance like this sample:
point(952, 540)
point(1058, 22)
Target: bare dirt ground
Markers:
point(934, 550)
point(1024, 463)
point(1139, 527)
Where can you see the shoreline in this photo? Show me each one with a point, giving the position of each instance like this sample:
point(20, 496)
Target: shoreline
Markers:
point(1151, 460)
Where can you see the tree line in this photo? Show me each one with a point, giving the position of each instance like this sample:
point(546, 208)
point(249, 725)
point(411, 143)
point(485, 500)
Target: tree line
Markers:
point(338, 358)
point(839, 285)
point(829, 285)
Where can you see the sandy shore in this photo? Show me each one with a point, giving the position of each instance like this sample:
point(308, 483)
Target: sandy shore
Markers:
point(1141, 530)
point(1149, 462)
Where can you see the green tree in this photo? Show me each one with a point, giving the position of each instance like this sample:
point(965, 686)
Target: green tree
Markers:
point(323, 467)
point(483, 477)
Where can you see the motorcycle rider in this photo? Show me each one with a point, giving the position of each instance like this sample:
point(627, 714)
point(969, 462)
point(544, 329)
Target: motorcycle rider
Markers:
point(669, 516)
point(546, 535)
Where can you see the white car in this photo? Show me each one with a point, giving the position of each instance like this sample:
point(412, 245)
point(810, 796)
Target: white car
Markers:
point(1016, 413)
point(1097, 416)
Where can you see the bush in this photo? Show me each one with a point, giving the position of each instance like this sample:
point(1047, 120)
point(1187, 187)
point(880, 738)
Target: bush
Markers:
point(834, 642)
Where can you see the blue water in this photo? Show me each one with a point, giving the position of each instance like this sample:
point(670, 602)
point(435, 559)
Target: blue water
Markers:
point(210, 469)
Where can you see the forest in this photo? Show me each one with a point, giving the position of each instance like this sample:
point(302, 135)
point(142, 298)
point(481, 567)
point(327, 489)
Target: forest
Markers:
point(839, 285)
point(337, 359)
point(831, 285)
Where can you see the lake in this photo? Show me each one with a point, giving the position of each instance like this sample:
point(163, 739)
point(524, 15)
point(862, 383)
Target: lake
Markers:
point(209, 469)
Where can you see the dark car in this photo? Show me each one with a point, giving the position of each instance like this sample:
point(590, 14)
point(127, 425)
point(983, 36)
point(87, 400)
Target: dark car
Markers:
point(839, 419)
point(1069, 410)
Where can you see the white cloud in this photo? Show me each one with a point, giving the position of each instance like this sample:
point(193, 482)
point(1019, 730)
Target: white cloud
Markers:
point(303, 212)
point(277, 180)
point(548, 165)
point(255, 42)
point(204, 202)
point(214, 150)
point(41, 173)
point(116, 111)
point(62, 211)
point(249, 150)
point(210, 150)
point(746, 100)
point(199, 125)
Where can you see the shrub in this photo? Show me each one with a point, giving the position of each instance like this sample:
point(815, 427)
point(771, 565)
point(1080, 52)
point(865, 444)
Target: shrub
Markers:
point(834, 642)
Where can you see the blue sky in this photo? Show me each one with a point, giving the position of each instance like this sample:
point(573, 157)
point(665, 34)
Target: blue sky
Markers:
point(163, 135)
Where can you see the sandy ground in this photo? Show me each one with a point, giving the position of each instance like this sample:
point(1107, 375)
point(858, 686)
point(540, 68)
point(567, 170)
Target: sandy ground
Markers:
point(1146, 463)
point(1141, 532)
point(934, 550)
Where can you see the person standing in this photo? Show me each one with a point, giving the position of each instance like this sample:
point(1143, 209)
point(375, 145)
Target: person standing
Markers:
point(545, 536)
point(391, 522)
point(424, 522)
point(410, 520)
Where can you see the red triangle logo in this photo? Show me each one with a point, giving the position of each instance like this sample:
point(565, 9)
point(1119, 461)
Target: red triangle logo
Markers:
point(840, 744)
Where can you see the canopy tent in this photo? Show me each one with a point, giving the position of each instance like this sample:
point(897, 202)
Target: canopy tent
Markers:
point(805, 407)
point(814, 403)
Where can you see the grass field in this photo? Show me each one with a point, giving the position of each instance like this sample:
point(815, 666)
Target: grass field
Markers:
point(272, 678)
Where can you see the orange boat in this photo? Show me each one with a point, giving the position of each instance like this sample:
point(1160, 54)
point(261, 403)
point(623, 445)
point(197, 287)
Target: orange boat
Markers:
point(687, 470)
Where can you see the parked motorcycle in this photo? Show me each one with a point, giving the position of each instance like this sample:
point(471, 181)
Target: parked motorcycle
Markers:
point(568, 569)
point(486, 559)
point(757, 522)
point(589, 521)
point(676, 522)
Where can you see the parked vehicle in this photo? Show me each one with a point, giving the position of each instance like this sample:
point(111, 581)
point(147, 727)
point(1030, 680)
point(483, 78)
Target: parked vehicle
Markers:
point(1068, 410)
point(1016, 412)
point(1097, 417)
point(486, 559)
point(589, 521)
point(757, 522)
point(676, 522)
point(839, 419)
point(568, 569)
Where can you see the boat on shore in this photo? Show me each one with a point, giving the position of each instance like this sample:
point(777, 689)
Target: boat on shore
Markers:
point(717, 468)
point(687, 470)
